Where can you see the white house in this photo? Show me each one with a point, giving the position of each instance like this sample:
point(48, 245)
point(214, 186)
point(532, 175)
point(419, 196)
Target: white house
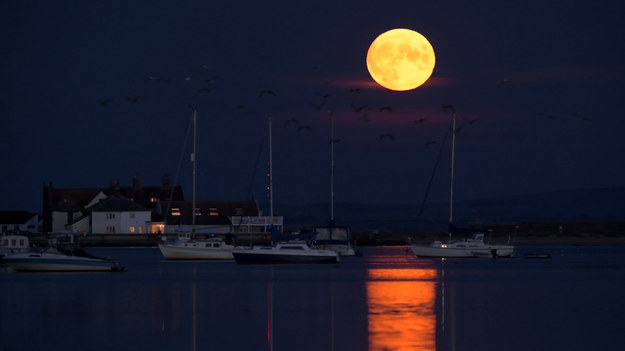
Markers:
point(119, 215)
point(19, 221)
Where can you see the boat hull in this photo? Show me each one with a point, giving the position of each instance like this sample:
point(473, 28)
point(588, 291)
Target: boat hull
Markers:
point(178, 252)
point(257, 256)
point(489, 251)
point(57, 263)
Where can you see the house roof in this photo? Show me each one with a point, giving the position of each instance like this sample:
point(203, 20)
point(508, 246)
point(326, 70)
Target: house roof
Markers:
point(117, 204)
point(75, 199)
point(15, 217)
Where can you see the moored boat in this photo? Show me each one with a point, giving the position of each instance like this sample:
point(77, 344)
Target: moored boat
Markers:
point(473, 246)
point(208, 249)
point(469, 247)
point(62, 256)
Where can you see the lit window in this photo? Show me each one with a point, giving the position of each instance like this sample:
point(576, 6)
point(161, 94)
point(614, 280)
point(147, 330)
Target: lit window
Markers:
point(213, 211)
point(153, 199)
point(132, 229)
point(175, 211)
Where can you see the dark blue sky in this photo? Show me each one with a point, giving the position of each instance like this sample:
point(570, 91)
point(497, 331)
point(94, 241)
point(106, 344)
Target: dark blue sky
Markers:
point(555, 123)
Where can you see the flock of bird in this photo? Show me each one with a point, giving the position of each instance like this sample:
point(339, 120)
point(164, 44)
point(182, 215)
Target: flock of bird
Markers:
point(208, 80)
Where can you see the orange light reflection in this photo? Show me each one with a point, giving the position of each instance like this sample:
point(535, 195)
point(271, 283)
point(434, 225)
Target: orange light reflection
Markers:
point(402, 309)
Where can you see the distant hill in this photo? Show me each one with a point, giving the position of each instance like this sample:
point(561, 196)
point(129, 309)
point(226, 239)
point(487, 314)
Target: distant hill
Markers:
point(579, 205)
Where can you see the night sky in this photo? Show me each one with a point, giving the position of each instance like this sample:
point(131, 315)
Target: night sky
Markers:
point(94, 91)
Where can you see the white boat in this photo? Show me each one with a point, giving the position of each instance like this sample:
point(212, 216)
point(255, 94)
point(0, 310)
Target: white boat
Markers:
point(473, 246)
point(59, 258)
point(469, 247)
point(186, 246)
point(209, 249)
point(295, 252)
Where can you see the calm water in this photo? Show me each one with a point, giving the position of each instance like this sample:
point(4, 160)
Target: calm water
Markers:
point(386, 300)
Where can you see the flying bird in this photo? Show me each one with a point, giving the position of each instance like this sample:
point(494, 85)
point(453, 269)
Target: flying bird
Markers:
point(318, 106)
point(502, 82)
point(384, 136)
point(202, 90)
point(105, 102)
point(266, 92)
point(325, 96)
point(419, 121)
point(289, 121)
point(433, 142)
point(358, 109)
point(134, 99)
point(304, 128)
point(355, 90)
point(335, 140)
point(386, 108)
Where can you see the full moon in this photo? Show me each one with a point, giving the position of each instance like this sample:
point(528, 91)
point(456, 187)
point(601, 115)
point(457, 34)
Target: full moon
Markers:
point(400, 59)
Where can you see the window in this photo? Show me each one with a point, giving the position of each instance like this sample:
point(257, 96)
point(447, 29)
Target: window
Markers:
point(132, 215)
point(132, 229)
point(213, 211)
point(110, 216)
point(175, 211)
point(110, 229)
point(154, 199)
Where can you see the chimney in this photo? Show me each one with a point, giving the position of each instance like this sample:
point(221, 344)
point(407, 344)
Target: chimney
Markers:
point(166, 181)
point(135, 181)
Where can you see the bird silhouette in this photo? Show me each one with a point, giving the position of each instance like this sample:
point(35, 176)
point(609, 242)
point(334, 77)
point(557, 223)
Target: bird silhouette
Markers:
point(105, 102)
point(355, 90)
point(202, 90)
point(325, 96)
point(318, 106)
point(335, 140)
point(267, 92)
point(502, 82)
point(358, 109)
point(386, 108)
point(419, 121)
point(389, 136)
point(433, 142)
point(304, 128)
point(289, 121)
point(133, 99)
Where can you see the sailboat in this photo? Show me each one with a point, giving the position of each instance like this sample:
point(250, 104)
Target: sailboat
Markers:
point(473, 246)
point(333, 237)
point(186, 246)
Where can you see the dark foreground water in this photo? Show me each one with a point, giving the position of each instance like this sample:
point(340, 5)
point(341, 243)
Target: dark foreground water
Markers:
point(386, 300)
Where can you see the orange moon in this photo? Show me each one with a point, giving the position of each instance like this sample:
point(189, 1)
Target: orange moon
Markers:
point(400, 59)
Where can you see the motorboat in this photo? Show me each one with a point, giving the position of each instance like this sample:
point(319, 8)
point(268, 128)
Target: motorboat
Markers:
point(195, 249)
point(295, 252)
point(65, 257)
point(473, 246)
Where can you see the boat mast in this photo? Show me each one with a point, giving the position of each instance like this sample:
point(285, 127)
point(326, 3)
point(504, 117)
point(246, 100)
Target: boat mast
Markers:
point(453, 155)
point(193, 159)
point(270, 174)
point(331, 168)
